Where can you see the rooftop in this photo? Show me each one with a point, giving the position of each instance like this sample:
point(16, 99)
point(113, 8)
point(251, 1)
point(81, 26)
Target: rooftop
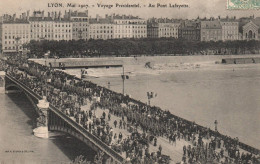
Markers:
point(125, 17)
point(48, 19)
point(100, 20)
point(215, 24)
point(16, 21)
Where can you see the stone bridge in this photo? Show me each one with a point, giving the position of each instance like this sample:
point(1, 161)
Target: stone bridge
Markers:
point(58, 121)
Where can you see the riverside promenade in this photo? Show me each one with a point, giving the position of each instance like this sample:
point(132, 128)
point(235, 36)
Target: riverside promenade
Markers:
point(87, 104)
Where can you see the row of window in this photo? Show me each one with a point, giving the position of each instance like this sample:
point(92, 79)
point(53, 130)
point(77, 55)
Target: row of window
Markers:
point(16, 27)
point(12, 48)
point(101, 31)
point(168, 34)
point(14, 42)
point(13, 37)
point(169, 29)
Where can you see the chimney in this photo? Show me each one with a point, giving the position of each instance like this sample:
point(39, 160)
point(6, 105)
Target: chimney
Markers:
point(112, 17)
point(49, 14)
point(52, 15)
point(87, 13)
point(14, 17)
point(55, 15)
point(42, 14)
point(97, 16)
point(219, 17)
point(28, 13)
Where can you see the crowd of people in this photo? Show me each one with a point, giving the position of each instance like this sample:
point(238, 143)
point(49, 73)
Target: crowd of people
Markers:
point(69, 93)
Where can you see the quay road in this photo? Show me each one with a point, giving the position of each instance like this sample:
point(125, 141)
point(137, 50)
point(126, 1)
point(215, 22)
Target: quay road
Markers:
point(72, 128)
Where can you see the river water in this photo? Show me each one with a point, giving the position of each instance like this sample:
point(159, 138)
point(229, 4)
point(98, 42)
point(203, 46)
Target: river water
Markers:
point(229, 94)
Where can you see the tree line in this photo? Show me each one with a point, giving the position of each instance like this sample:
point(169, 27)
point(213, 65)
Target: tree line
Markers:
point(135, 47)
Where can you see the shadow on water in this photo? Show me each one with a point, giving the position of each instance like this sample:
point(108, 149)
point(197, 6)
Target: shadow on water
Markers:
point(69, 145)
point(20, 100)
point(72, 147)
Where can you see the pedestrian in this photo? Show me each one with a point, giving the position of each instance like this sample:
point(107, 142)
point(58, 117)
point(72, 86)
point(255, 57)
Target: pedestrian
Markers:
point(109, 116)
point(155, 141)
point(124, 124)
point(120, 124)
point(115, 123)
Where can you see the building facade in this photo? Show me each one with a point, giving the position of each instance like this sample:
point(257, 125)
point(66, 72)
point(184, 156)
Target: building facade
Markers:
point(129, 26)
point(80, 24)
point(152, 30)
point(190, 30)
point(41, 27)
point(163, 28)
point(230, 29)
point(211, 30)
point(15, 33)
point(62, 29)
point(250, 31)
point(100, 28)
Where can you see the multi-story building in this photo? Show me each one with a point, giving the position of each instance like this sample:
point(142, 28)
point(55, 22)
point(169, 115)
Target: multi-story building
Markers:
point(189, 30)
point(211, 30)
point(152, 30)
point(100, 28)
point(163, 28)
point(229, 29)
point(80, 24)
point(15, 33)
point(62, 29)
point(41, 26)
point(129, 26)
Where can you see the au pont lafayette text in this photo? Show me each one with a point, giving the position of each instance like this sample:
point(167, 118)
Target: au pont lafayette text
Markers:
point(118, 5)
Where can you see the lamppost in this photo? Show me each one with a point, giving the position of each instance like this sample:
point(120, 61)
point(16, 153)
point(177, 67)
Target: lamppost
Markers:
point(123, 78)
point(216, 125)
point(46, 55)
point(108, 85)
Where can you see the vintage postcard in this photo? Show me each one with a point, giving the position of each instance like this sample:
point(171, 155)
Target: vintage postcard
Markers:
point(129, 81)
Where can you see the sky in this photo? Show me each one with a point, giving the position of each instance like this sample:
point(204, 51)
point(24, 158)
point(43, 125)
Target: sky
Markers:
point(201, 8)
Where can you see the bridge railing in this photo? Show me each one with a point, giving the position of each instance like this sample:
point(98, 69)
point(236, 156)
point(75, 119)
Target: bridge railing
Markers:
point(82, 130)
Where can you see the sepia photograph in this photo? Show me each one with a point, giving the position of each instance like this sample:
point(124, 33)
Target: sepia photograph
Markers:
point(130, 82)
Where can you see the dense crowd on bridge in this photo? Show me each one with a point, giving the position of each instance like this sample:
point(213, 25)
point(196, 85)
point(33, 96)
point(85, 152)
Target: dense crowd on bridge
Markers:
point(69, 93)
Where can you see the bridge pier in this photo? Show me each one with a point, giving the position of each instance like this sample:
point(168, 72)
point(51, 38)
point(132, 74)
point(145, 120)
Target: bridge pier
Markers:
point(42, 122)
